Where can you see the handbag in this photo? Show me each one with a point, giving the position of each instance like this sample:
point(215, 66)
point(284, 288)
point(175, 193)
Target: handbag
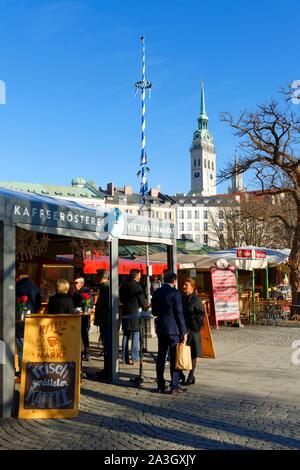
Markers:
point(183, 357)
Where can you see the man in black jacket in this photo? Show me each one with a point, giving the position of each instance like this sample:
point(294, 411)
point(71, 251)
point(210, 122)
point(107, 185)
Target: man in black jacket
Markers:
point(85, 320)
point(170, 329)
point(132, 297)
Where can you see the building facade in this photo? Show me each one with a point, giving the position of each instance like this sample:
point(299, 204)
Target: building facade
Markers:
point(198, 217)
point(159, 206)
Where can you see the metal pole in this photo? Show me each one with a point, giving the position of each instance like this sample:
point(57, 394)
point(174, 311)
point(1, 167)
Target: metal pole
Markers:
point(253, 295)
point(114, 302)
point(7, 317)
point(148, 293)
point(172, 257)
point(143, 85)
point(266, 292)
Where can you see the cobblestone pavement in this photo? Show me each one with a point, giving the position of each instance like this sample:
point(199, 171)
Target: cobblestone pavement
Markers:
point(248, 398)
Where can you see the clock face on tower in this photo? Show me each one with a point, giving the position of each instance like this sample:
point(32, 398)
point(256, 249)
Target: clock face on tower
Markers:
point(207, 137)
point(196, 175)
point(196, 135)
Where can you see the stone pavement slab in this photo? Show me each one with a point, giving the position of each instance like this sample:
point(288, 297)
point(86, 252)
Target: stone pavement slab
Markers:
point(248, 398)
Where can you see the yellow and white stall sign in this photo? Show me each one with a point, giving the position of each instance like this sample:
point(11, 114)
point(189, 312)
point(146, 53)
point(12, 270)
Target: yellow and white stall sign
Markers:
point(50, 380)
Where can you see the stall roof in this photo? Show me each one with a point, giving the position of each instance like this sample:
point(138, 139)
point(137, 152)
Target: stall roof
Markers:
point(273, 257)
point(69, 218)
point(205, 261)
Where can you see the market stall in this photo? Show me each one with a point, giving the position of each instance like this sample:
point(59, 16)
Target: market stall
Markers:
point(69, 220)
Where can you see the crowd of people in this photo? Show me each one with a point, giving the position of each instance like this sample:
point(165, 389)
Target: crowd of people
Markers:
point(64, 301)
point(179, 318)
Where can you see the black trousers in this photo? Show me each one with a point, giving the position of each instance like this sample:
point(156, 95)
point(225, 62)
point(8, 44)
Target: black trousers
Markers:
point(165, 342)
point(85, 328)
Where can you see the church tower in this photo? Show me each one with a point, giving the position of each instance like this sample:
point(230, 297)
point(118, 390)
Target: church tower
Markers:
point(237, 184)
point(203, 156)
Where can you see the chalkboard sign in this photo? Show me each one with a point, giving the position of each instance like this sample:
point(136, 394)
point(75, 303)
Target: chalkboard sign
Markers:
point(49, 385)
point(50, 378)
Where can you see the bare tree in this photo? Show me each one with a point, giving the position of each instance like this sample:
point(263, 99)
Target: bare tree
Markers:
point(245, 225)
point(269, 145)
point(278, 212)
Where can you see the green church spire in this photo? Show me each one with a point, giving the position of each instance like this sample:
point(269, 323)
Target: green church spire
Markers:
point(203, 118)
point(202, 110)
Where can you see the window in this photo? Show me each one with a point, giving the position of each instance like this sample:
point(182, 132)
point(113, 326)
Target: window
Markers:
point(208, 164)
point(189, 214)
point(157, 214)
point(196, 214)
point(199, 162)
point(170, 215)
point(205, 239)
point(181, 226)
point(221, 214)
point(205, 226)
point(221, 226)
point(204, 214)
point(189, 226)
point(166, 215)
point(197, 226)
point(205, 163)
point(195, 162)
point(181, 214)
point(212, 166)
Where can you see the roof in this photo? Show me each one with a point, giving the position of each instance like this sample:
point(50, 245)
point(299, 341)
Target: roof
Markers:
point(206, 260)
point(70, 218)
point(135, 198)
point(198, 199)
point(87, 191)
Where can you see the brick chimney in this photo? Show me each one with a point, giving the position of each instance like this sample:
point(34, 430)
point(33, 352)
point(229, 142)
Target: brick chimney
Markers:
point(127, 190)
point(111, 187)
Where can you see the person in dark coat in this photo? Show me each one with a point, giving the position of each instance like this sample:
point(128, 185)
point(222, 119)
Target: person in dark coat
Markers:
point(25, 287)
point(85, 320)
point(170, 329)
point(103, 320)
point(61, 302)
point(132, 297)
point(193, 312)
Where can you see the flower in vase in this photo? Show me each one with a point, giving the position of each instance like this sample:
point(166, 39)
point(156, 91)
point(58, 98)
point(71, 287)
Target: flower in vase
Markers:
point(22, 303)
point(86, 300)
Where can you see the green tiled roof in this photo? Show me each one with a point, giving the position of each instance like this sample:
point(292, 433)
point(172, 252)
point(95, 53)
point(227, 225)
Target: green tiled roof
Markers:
point(54, 190)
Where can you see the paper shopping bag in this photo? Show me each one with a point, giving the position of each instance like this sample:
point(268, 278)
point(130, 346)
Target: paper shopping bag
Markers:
point(183, 357)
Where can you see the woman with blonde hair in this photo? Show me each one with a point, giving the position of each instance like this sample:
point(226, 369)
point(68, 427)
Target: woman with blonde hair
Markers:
point(61, 302)
point(193, 311)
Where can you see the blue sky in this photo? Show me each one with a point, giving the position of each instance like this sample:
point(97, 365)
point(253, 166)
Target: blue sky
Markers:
point(70, 68)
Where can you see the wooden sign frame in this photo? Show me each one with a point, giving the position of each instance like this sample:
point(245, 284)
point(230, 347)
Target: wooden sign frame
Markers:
point(50, 379)
point(208, 349)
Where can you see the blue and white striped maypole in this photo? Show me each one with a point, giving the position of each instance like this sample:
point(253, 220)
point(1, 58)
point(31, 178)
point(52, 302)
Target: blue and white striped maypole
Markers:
point(143, 85)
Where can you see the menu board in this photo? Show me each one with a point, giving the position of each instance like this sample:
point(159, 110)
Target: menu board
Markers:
point(225, 294)
point(49, 385)
point(50, 379)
